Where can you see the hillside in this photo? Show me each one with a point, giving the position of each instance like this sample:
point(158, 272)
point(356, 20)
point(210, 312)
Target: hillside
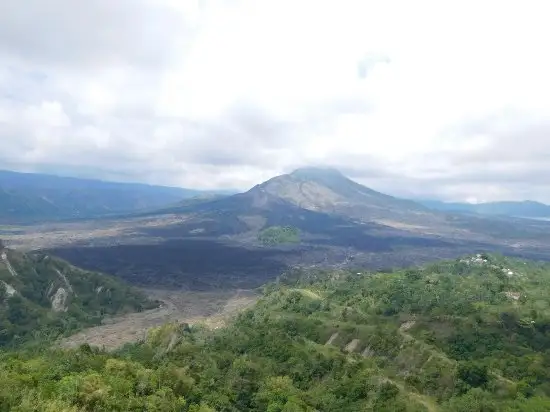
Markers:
point(526, 209)
point(468, 335)
point(42, 296)
point(31, 198)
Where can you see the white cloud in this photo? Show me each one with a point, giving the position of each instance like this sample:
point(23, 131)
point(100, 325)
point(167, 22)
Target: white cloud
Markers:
point(424, 98)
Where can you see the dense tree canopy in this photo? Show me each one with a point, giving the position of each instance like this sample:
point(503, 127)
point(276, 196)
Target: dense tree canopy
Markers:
point(467, 335)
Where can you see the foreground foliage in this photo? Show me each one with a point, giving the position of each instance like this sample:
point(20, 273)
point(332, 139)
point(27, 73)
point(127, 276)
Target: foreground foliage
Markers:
point(468, 335)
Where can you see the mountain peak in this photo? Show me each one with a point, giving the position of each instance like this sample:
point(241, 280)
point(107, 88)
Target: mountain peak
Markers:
point(317, 172)
point(327, 190)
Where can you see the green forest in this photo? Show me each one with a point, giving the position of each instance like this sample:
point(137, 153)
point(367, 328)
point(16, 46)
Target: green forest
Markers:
point(471, 335)
point(278, 235)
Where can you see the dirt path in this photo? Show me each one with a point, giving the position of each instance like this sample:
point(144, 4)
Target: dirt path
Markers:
point(424, 400)
point(211, 308)
point(332, 338)
point(352, 346)
point(307, 292)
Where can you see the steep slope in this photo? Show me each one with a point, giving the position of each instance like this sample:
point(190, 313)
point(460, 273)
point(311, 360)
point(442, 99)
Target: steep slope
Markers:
point(464, 335)
point(250, 211)
point(314, 189)
point(29, 197)
point(44, 296)
point(314, 200)
point(527, 209)
point(329, 191)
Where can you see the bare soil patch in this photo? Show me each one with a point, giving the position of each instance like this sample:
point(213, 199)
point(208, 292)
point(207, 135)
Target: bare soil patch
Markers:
point(210, 308)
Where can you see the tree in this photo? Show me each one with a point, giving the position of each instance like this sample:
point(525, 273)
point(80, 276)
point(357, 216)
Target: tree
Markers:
point(473, 373)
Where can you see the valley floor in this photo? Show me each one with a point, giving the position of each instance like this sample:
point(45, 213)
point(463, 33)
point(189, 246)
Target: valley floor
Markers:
point(209, 308)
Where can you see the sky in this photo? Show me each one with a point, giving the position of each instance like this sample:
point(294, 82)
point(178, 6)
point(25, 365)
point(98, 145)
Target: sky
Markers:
point(425, 99)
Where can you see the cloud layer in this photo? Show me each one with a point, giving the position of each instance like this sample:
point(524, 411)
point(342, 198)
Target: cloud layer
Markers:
point(412, 98)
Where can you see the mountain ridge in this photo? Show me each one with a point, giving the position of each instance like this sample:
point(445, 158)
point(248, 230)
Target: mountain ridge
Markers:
point(524, 208)
point(34, 197)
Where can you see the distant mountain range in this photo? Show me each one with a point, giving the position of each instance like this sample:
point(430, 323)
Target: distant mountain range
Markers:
point(328, 191)
point(310, 217)
point(527, 209)
point(32, 198)
point(37, 198)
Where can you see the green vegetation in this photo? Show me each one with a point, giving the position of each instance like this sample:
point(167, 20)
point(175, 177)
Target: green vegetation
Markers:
point(278, 235)
point(42, 297)
point(467, 335)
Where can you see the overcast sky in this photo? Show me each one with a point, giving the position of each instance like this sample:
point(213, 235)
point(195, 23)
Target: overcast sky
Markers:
point(446, 99)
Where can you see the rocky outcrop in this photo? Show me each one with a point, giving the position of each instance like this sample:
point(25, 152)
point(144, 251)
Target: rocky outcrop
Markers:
point(10, 290)
point(352, 345)
point(4, 257)
point(59, 300)
point(66, 281)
